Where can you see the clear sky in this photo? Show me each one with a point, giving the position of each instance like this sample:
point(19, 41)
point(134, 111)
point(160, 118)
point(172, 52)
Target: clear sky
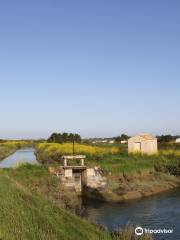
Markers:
point(98, 67)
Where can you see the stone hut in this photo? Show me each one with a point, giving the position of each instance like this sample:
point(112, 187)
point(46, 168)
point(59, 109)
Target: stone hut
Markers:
point(143, 143)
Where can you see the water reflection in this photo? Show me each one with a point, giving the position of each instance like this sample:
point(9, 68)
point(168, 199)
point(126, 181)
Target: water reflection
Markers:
point(160, 211)
point(21, 156)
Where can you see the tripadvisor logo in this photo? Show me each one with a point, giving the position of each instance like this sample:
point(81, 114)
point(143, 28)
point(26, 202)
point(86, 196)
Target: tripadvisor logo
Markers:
point(140, 231)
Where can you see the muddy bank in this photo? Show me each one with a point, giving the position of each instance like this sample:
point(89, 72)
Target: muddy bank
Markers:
point(127, 187)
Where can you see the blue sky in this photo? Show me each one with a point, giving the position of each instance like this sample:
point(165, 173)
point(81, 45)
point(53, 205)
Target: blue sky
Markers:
point(99, 67)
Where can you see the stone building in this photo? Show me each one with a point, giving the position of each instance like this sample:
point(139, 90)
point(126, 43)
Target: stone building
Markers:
point(143, 143)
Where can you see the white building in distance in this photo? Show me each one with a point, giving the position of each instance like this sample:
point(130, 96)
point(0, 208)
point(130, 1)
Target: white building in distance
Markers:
point(123, 142)
point(143, 143)
point(178, 140)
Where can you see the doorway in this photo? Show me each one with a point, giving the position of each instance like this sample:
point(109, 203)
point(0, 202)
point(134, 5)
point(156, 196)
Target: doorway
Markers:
point(137, 147)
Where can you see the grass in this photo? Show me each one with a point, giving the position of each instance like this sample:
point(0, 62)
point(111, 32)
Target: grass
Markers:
point(111, 158)
point(17, 144)
point(124, 163)
point(25, 214)
point(37, 178)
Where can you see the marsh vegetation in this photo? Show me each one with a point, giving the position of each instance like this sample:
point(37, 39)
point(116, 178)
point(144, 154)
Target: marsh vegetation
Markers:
point(112, 159)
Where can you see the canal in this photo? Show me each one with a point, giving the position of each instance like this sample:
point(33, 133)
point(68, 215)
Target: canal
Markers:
point(155, 212)
point(25, 155)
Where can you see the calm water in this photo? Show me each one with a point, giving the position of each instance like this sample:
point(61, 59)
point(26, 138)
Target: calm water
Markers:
point(21, 156)
point(160, 211)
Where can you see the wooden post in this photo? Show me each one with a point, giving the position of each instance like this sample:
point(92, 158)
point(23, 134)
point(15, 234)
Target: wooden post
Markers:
point(73, 147)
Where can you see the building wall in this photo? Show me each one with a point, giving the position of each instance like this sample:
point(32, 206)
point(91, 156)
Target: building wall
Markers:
point(95, 178)
point(139, 146)
point(68, 173)
point(149, 147)
point(132, 145)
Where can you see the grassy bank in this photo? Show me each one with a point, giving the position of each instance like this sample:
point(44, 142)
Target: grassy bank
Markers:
point(6, 151)
point(112, 159)
point(30, 210)
point(9, 147)
point(124, 163)
point(26, 214)
point(17, 144)
point(37, 178)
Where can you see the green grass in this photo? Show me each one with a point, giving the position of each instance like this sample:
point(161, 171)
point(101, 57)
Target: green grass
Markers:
point(25, 214)
point(124, 163)
point(37, 178)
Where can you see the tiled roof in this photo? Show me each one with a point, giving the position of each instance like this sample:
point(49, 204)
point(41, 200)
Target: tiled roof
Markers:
point(143, 137)
point(146, 136)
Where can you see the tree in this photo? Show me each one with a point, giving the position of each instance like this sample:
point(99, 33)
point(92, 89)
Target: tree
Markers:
point(64, 137)
point(77, 138)
point(54, 138)
point(166, 138)
point(123, 137)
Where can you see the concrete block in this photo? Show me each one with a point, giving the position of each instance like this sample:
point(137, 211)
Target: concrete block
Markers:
point(68, 173)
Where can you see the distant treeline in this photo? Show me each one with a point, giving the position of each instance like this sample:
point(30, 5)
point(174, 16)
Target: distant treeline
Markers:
point(64, 137)
point(167, 138)
point(122, 137)
point(162, 139)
